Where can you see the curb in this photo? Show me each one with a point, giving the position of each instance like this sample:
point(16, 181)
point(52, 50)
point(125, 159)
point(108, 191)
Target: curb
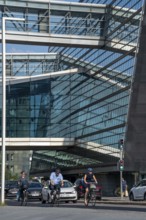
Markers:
point(118, 202)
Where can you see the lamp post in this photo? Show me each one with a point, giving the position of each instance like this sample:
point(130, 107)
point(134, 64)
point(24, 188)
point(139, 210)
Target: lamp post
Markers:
point(4, 19)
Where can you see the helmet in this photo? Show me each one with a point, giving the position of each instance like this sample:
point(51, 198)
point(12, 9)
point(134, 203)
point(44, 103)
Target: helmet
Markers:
point(90, 170)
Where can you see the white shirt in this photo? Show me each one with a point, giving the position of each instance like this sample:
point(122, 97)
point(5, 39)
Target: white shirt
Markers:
point(56, 178)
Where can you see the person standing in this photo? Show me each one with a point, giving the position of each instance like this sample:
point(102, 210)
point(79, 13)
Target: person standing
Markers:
point(23, 185)
point(124, 187)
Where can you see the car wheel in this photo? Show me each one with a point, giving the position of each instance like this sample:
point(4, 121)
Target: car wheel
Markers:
point(78, 196)
point(66, 201)
point(131, 197)
point(43, 201)
point(75, 201)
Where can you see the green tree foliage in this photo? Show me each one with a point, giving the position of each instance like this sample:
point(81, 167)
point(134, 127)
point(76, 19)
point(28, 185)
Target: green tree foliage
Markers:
point(9, 175)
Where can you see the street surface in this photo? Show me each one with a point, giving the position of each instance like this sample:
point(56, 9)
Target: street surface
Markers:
point(69, 211)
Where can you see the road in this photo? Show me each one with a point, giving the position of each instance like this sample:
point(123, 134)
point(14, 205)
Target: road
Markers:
point(37, 211)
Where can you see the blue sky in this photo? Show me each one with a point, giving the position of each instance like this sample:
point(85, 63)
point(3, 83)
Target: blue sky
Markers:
point(18, 48)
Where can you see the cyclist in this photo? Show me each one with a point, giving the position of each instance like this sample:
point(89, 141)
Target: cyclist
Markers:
point(56, 180)
point(23, 185)
point(88, 178)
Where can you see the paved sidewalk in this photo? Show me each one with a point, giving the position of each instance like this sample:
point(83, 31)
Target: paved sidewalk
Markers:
point(118, 200)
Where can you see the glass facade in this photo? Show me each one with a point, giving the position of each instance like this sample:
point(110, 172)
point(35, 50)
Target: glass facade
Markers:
point(90, 106)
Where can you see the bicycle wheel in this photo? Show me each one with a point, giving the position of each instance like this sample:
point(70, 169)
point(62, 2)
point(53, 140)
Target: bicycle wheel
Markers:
point(57, 198)
point(93, 198)
point(22, 199)
point(25, 197)
point(53, 198)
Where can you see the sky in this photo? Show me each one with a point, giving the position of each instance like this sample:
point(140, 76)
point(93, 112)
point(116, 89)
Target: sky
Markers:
point(18, 48)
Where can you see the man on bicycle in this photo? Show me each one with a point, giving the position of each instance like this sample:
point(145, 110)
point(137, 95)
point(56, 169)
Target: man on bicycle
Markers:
point(89, 177)
point(23, 185)
point(56, 180)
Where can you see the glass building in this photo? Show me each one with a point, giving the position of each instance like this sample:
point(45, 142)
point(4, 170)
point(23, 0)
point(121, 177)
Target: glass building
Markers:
point(80, 90)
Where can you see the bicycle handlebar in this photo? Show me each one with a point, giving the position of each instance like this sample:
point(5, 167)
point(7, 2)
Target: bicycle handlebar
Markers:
point(92, 183)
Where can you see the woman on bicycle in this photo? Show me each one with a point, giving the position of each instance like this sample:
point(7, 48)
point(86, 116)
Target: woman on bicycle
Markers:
point(88, 178)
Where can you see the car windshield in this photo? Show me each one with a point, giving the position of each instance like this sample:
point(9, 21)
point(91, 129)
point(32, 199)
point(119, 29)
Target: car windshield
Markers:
point(67, 184)
point(142, 183)
point(11, 184)
point(77, 182)
point(35, 185)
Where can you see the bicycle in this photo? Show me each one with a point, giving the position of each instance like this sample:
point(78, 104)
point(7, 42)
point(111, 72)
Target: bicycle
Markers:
point(23, 197)
point(55, 196)
point(91, 196)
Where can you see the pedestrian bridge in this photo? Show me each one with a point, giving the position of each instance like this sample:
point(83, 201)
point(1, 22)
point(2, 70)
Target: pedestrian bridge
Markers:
point(44, 65)
point(91, 150)
point(70, 24)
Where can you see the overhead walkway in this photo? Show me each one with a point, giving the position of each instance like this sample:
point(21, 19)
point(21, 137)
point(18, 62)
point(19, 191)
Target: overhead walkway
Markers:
point(22, 79)
point(70, 25)
point(75, 159)
point(59, 143)
point(68, 152)
point(48, 65)
point(86, 149)
point(38, 143)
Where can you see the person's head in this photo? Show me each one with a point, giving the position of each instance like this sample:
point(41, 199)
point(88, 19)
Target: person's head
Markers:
point(90, 170)
point(23, 174)
point(57, 171)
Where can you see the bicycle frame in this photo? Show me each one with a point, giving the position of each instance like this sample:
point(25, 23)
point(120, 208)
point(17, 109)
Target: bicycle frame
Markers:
point(91, 196)
point(56, 195)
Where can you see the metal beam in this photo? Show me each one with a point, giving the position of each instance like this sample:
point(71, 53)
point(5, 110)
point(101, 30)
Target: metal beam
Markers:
point(55, 39)
point(22, 79)
point(68, 41)
point(30, 56)
point(60, 6)
point(38, 143)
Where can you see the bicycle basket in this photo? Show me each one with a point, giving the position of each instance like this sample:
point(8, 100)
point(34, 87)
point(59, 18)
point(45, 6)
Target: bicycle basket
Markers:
point(92, 186)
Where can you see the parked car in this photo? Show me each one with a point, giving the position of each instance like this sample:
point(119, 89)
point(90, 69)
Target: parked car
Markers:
point(67, 193)
point(78, 185)
point(138, 192)
point(7, 186)
point(11, 188)
point(35, 190)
